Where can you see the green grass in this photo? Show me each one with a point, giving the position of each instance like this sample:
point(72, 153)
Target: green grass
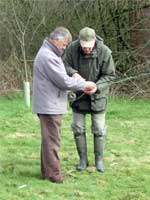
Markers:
point(127, 155)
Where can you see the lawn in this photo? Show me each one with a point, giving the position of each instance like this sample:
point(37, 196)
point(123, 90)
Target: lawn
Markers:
point(127, 155)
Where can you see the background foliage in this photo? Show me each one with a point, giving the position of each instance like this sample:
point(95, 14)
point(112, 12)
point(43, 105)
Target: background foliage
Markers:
point(123, 24)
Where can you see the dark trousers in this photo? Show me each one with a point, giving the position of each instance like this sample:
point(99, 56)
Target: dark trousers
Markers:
point(50, 144)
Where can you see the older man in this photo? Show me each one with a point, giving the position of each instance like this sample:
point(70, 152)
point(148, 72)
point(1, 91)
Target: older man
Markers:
point(50, 82)
point(89, 58)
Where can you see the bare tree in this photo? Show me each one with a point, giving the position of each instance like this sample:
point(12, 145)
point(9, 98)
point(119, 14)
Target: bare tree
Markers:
point(21, 33)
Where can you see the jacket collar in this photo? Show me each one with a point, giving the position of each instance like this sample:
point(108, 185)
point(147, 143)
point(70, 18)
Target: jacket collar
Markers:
point(47, 43)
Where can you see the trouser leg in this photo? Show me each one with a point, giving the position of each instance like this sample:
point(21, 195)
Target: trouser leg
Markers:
point(50, 144)
point(99, 132)
point(78, 127)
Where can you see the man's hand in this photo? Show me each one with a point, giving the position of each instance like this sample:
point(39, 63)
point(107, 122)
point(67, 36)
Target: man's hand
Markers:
point(90, 87)
point(89, 92)
point(77, 76)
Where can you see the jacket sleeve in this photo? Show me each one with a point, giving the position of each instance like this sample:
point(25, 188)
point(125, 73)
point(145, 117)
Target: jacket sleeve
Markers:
point(56, 73)
point(68, 62)
point(107, 72)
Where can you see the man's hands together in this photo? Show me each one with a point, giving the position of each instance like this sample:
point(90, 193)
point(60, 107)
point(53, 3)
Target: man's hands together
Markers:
point(90, 87)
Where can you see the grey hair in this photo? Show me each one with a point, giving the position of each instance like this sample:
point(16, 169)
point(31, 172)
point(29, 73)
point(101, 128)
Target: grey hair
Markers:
point(61, 33)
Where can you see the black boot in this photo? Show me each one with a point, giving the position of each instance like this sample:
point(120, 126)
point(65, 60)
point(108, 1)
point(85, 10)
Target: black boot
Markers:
point(98, 151)
point(80, 141)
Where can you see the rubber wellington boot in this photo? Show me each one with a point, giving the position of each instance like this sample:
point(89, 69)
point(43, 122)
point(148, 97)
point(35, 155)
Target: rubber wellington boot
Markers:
point(81, 146)
point(98, 151)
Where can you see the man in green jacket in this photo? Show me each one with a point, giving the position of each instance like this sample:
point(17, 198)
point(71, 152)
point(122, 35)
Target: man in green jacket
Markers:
point(89, 58)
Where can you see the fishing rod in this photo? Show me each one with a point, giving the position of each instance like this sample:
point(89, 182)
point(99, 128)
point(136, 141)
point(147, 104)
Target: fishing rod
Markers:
point(73, 97)
point(129, 78)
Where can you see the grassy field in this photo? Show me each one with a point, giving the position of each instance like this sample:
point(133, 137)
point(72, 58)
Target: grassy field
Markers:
point(127, 155)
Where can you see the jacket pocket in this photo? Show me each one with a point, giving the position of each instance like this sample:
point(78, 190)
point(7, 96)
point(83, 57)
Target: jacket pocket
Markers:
point(99, 104)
